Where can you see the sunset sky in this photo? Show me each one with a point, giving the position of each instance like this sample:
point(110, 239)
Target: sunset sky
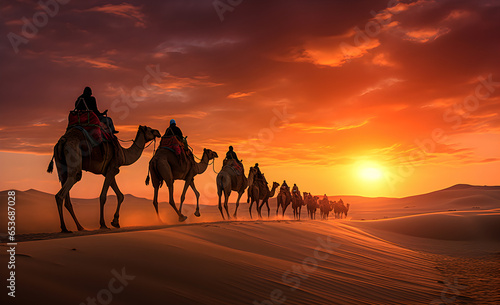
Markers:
point(372, 98)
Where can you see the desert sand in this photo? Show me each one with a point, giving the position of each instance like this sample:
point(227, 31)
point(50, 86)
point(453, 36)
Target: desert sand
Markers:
point(437, 248)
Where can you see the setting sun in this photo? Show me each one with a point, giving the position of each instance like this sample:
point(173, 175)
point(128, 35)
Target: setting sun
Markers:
point(369, 171)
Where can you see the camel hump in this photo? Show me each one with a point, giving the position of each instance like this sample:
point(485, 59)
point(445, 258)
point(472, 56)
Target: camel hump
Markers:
point(233, 165)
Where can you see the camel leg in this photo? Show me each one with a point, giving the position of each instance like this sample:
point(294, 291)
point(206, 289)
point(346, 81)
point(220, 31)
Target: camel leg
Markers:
point(237, 204)
point(184, 190)
point(284, 209)
point(268, 209)
point(257, 207)
point(119, 195)
point(226, 199)
point(102, 198)
point(69, 207)
point(250, 208)
point(170, 185)
point(220, 207)
point(219, 193)
point(60, 196)
point(197, 194)
point(155, 202)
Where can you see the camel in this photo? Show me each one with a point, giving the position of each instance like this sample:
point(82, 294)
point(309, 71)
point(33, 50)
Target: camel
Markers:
point(258, 190)
point(228, 180)
point(339, 209)
point(324, 208)
point(346, 209)
point(72, 156)
point(297, 203)
point(166, 167)
point(284, 199)
point(312, 205)
point(264, 194)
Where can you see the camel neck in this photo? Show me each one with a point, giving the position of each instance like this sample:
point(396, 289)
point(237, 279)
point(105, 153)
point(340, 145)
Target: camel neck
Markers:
point(134, 152)
point(202, 166)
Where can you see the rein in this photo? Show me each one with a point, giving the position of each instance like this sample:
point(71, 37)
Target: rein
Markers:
point(208, 163)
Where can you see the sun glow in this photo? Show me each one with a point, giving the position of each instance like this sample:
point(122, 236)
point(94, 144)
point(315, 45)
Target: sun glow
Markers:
point(370, 171)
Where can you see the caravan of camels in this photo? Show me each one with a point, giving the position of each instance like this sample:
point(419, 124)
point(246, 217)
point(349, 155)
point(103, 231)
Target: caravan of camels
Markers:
point(90, 144)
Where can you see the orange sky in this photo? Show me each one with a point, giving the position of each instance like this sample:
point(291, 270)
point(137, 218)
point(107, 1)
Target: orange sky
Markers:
point(315, 91)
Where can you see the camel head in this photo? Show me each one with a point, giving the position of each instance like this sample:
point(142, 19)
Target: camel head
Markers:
point(210, 153)
point(275, 185)
point(149, 133)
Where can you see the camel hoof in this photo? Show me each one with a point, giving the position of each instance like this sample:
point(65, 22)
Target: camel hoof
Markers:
point(182, 218)
point(66, 231)
point(115, 224)
point(104, 227)
point(81, 229)
point(197, 213)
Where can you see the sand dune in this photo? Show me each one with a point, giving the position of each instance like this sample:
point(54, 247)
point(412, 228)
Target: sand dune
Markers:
point(430, 257)
point(40, 213)
point(230, 263)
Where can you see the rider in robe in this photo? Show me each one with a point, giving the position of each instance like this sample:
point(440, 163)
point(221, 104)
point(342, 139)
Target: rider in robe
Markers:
point(173, 130)
point(231, 155)
point(259, 175)
point(87, 102)
point(295, 190)
point(284, 186)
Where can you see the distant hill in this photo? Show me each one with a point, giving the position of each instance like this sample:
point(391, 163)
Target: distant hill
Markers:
point(37, 212)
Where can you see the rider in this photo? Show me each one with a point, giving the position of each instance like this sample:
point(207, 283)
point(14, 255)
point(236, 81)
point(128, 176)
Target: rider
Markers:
point(231, 155)
point(284, 186)
point(87, 102)
point(173, 130)
point(259, 174)
point(295, 190)
point(325, 198)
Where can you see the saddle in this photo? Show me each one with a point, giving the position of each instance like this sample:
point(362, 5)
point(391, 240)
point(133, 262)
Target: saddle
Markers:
point(233, 165)
point(173, 144)
point(88, 122)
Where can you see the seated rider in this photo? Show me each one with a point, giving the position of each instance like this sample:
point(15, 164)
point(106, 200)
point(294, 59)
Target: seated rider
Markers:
point(295, 190)
point(325, 198)
point(231, 155)
point(87, 102)
point(284, 186)
point(259, 175)
point(173, 130)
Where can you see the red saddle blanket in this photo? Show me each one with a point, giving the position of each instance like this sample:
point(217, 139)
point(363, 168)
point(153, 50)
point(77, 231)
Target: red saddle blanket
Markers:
point(89, 121)
point(172, 143)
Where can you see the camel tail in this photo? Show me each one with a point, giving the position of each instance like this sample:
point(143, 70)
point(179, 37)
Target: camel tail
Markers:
point(50, 169)
point(147, 179)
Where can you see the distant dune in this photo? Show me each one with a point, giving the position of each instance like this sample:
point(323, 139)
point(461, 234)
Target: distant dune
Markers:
point(39, 212)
